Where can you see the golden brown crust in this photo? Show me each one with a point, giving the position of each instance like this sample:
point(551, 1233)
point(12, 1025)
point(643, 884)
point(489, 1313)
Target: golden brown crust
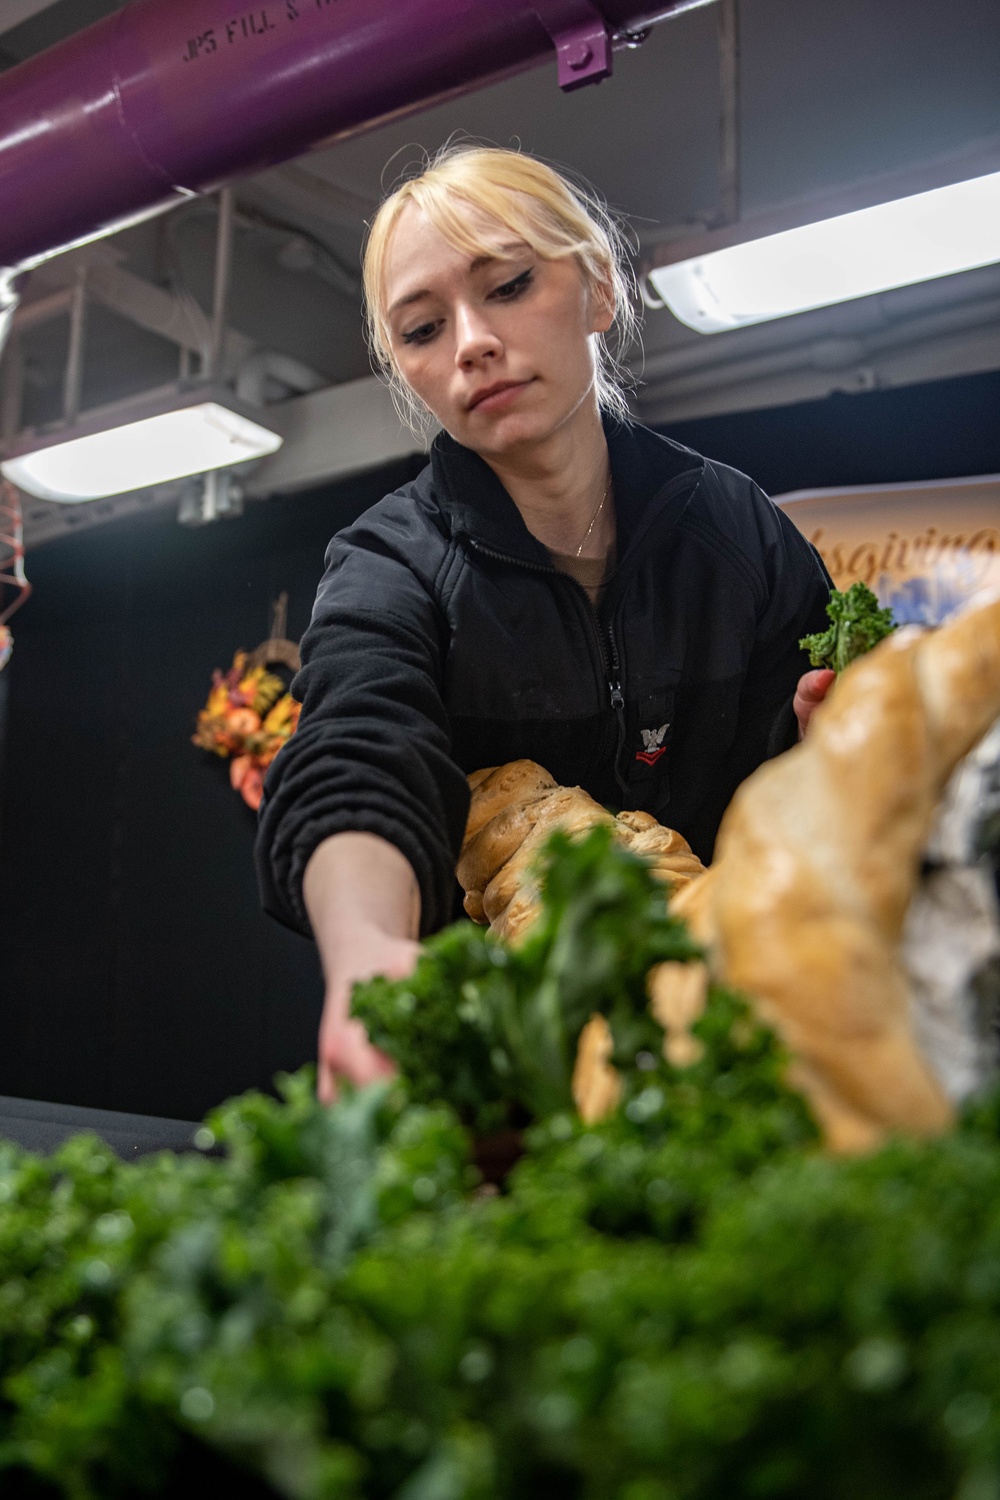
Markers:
point(473, 905)
point(514, 809)
point(491, 848)
point(518, 916)
point(816, 865)
point(498, 866)
point(670, 853)
point(597, 1084)
point(959, 672)
point(567, 808)
point(817, 861)
point(694, 903)
point(677, 996)
point(677, 872)
point(501, 786)
point(640, 831)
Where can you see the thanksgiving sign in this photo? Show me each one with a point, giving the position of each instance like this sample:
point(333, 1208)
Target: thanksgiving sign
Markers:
point(924, 548)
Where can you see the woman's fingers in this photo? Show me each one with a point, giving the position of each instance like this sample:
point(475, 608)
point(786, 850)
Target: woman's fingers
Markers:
point(344, 1048)
point(812, 689)
point(346, 1052)
point(326, 1083)
point(365, 1063)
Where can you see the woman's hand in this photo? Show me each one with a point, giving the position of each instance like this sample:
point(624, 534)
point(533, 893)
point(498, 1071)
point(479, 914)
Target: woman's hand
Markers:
point(364, 906)
point(812, 689)
point(344, 1048)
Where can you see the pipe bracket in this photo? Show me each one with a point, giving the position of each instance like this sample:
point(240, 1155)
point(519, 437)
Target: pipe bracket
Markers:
point(582, 40)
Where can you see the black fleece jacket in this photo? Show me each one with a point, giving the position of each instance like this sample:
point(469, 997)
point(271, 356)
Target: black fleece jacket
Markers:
point(443, 640)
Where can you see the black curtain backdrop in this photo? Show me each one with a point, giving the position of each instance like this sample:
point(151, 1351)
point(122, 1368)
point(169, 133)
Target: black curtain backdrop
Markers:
point(136, 971)
point(941, 430)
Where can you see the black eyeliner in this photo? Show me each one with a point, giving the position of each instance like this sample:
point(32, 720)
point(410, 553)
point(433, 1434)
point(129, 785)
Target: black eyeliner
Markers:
point(517, 282)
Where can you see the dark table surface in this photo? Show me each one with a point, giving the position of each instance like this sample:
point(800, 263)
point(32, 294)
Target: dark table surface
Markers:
point(42, 1127)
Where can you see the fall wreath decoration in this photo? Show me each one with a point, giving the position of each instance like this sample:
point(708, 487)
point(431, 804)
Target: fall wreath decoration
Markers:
point(249, 714)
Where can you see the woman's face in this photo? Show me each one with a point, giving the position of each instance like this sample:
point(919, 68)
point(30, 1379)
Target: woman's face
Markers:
point(498, 347)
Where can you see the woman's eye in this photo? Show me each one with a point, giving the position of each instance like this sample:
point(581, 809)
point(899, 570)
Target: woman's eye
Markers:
point(511, 289)
point(421, 335)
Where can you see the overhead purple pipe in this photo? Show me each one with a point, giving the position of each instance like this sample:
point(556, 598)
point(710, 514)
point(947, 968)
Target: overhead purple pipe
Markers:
point(169, 98)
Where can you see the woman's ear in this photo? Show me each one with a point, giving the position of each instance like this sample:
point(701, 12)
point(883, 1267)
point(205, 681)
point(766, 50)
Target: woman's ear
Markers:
point(602, 305)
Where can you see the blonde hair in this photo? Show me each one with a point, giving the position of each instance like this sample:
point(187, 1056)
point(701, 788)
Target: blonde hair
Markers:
point(523, 196)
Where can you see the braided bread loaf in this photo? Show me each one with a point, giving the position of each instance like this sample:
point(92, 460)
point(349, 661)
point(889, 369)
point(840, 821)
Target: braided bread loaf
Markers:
point(514, 809)
point(817, 861)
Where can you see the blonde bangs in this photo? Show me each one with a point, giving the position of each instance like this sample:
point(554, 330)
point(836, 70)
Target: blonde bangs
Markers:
point(517, 197)
point(519, 202)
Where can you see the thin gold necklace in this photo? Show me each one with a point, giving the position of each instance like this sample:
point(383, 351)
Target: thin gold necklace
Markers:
point(593, 519)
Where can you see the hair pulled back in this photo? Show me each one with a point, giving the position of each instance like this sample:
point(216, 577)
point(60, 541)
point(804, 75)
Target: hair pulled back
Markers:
point(519, 195)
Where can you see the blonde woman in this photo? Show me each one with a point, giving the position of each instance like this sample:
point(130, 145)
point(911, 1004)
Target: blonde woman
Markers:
point(559, 583)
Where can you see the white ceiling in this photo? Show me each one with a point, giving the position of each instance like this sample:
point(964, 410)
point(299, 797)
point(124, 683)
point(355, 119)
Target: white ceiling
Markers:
point(15, 12)
point(829, 94)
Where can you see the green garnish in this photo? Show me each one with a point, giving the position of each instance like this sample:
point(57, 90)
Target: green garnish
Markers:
point(856, 625)
point(686, 1301)
point(494, 1030)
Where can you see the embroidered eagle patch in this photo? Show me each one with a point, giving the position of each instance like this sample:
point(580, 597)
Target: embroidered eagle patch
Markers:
point(652, 745)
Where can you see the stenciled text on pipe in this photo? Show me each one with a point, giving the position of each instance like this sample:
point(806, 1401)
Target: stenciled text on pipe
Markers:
point(250, 25)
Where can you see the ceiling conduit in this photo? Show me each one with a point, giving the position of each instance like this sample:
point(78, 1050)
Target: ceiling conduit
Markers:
point(168, 99)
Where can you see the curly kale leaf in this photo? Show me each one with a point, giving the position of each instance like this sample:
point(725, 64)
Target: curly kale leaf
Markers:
point(822, 1317)
point(680, 1139)
point(856, 625)
point(493, 1031)
point(684, 1300)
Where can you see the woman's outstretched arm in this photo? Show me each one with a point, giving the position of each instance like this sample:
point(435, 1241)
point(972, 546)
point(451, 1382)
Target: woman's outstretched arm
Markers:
point(363, 902)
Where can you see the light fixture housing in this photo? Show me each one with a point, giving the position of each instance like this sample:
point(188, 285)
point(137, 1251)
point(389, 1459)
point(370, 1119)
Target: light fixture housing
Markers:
point(896, 243)
point(165, 436)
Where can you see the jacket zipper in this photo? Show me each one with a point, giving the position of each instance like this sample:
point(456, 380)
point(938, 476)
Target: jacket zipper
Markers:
point(617, 703)
point(606, 645)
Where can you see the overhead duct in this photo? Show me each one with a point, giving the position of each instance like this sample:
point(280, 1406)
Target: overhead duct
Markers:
point(167, 99)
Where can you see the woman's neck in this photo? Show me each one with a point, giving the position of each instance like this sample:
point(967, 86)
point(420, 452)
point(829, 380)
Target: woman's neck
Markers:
point(562, 485)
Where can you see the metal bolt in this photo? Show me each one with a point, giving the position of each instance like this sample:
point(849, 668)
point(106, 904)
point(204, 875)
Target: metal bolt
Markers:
point(579, 56)
point(630, 38)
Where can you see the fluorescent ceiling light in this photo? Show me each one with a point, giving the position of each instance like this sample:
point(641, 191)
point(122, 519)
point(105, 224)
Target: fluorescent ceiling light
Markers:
point(937, 233)
point(134, 454)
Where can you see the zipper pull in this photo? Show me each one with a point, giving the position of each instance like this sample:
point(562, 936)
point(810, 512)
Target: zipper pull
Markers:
point(618, 704)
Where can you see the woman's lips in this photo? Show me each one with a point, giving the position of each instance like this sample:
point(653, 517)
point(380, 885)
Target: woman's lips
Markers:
point(497, 399)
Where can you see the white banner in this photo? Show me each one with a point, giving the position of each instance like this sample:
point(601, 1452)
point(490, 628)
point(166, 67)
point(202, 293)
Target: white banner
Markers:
point(924, 548)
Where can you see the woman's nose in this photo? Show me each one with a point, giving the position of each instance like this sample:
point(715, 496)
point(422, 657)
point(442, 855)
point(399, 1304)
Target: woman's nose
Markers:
point(475, 339)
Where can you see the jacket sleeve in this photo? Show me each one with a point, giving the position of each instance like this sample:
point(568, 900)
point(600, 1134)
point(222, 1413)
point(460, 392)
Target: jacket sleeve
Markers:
point(372, 750)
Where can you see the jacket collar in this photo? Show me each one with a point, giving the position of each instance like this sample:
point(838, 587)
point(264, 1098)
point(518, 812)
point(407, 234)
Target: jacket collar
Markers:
point(654, 479)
